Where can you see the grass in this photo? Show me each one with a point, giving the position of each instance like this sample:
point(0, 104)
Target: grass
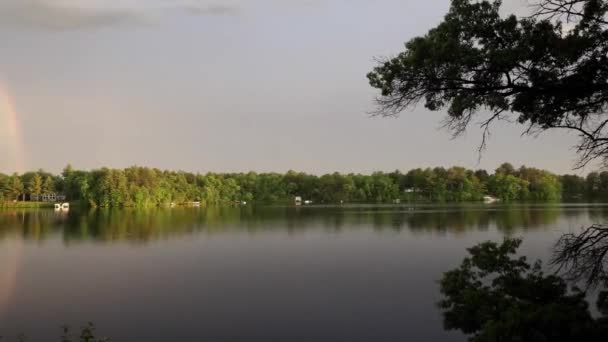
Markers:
point(24, 205)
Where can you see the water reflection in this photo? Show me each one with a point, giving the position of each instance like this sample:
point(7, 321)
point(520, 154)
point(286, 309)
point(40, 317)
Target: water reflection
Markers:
point(149, 225)
point(332, 273)
point(10, 257)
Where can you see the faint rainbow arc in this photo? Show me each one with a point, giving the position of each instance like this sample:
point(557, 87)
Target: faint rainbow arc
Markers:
point(12, 128)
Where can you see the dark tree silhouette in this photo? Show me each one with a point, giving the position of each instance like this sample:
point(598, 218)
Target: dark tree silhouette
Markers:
point(548, 70)
point(584, 257)
point(496, 296)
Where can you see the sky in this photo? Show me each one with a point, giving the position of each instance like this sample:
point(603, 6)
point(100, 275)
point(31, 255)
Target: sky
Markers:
point(227, 86)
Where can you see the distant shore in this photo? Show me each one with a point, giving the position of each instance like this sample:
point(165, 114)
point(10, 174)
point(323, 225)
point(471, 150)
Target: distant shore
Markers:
point(26, 204)
point(142, 187)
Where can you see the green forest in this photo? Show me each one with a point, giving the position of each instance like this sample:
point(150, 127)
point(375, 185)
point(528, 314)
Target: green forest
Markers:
point(150, 187)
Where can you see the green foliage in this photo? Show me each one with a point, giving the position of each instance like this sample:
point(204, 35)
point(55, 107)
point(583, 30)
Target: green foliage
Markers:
point(573, 187)
point(495, 296)
point(35, 185)
point(25, 205)
point(141, 187)
point(508, 187)
point(13, 187)
point(49, 185)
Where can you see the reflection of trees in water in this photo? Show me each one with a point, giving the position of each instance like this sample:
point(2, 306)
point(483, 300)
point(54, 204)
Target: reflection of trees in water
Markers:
point(504, 219)
point(32, 224)
point(146, 225)
point(599, 214)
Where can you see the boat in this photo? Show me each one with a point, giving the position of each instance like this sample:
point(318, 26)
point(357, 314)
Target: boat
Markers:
point(490, 199)
point(65, 206)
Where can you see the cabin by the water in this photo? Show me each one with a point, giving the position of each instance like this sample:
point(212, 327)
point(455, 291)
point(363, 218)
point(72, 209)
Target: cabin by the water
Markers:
point(48, 197)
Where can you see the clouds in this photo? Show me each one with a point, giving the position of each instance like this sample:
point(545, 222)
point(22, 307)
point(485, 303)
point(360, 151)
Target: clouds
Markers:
point(83, 14)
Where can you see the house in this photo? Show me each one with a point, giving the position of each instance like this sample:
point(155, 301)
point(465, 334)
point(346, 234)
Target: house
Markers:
point(49, 197)
point(52, 197)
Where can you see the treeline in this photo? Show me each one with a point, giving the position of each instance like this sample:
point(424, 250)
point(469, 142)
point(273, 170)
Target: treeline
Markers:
point(149, 187)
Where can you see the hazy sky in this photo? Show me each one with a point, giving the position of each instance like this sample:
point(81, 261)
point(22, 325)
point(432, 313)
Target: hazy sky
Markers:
point(220, 85)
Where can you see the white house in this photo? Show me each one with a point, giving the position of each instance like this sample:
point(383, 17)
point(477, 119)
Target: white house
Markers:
point(50, 197)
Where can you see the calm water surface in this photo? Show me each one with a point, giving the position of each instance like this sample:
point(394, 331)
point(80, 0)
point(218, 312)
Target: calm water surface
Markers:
point(349, 273)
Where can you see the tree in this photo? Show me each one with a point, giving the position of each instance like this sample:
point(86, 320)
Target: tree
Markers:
point(48, 186)
point(496, 296)
point(573, 187)
point(3, 185)
point(482, 175)
point(584, 257)
point(14, 187)
point(508, 187)
point(35, 185)
point(594, 184)
point(604, 183)
point(506, 169)
point(549, 70)
point(67, 170)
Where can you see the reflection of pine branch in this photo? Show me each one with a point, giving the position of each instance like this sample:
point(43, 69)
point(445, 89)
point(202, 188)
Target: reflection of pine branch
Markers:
point(584, 256)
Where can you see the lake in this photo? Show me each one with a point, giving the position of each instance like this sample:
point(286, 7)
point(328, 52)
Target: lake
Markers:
point(318, 273)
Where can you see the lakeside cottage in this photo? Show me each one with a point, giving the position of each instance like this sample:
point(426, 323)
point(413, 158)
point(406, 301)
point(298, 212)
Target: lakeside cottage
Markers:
point(49, 197)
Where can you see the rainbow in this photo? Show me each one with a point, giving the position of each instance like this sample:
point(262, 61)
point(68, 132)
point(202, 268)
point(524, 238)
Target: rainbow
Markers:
point(9, 265)
point(10, 132)
point(10, 138)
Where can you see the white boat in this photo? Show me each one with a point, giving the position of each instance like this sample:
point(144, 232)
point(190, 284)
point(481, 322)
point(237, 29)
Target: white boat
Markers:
point(490, 199)
point(65, 206)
